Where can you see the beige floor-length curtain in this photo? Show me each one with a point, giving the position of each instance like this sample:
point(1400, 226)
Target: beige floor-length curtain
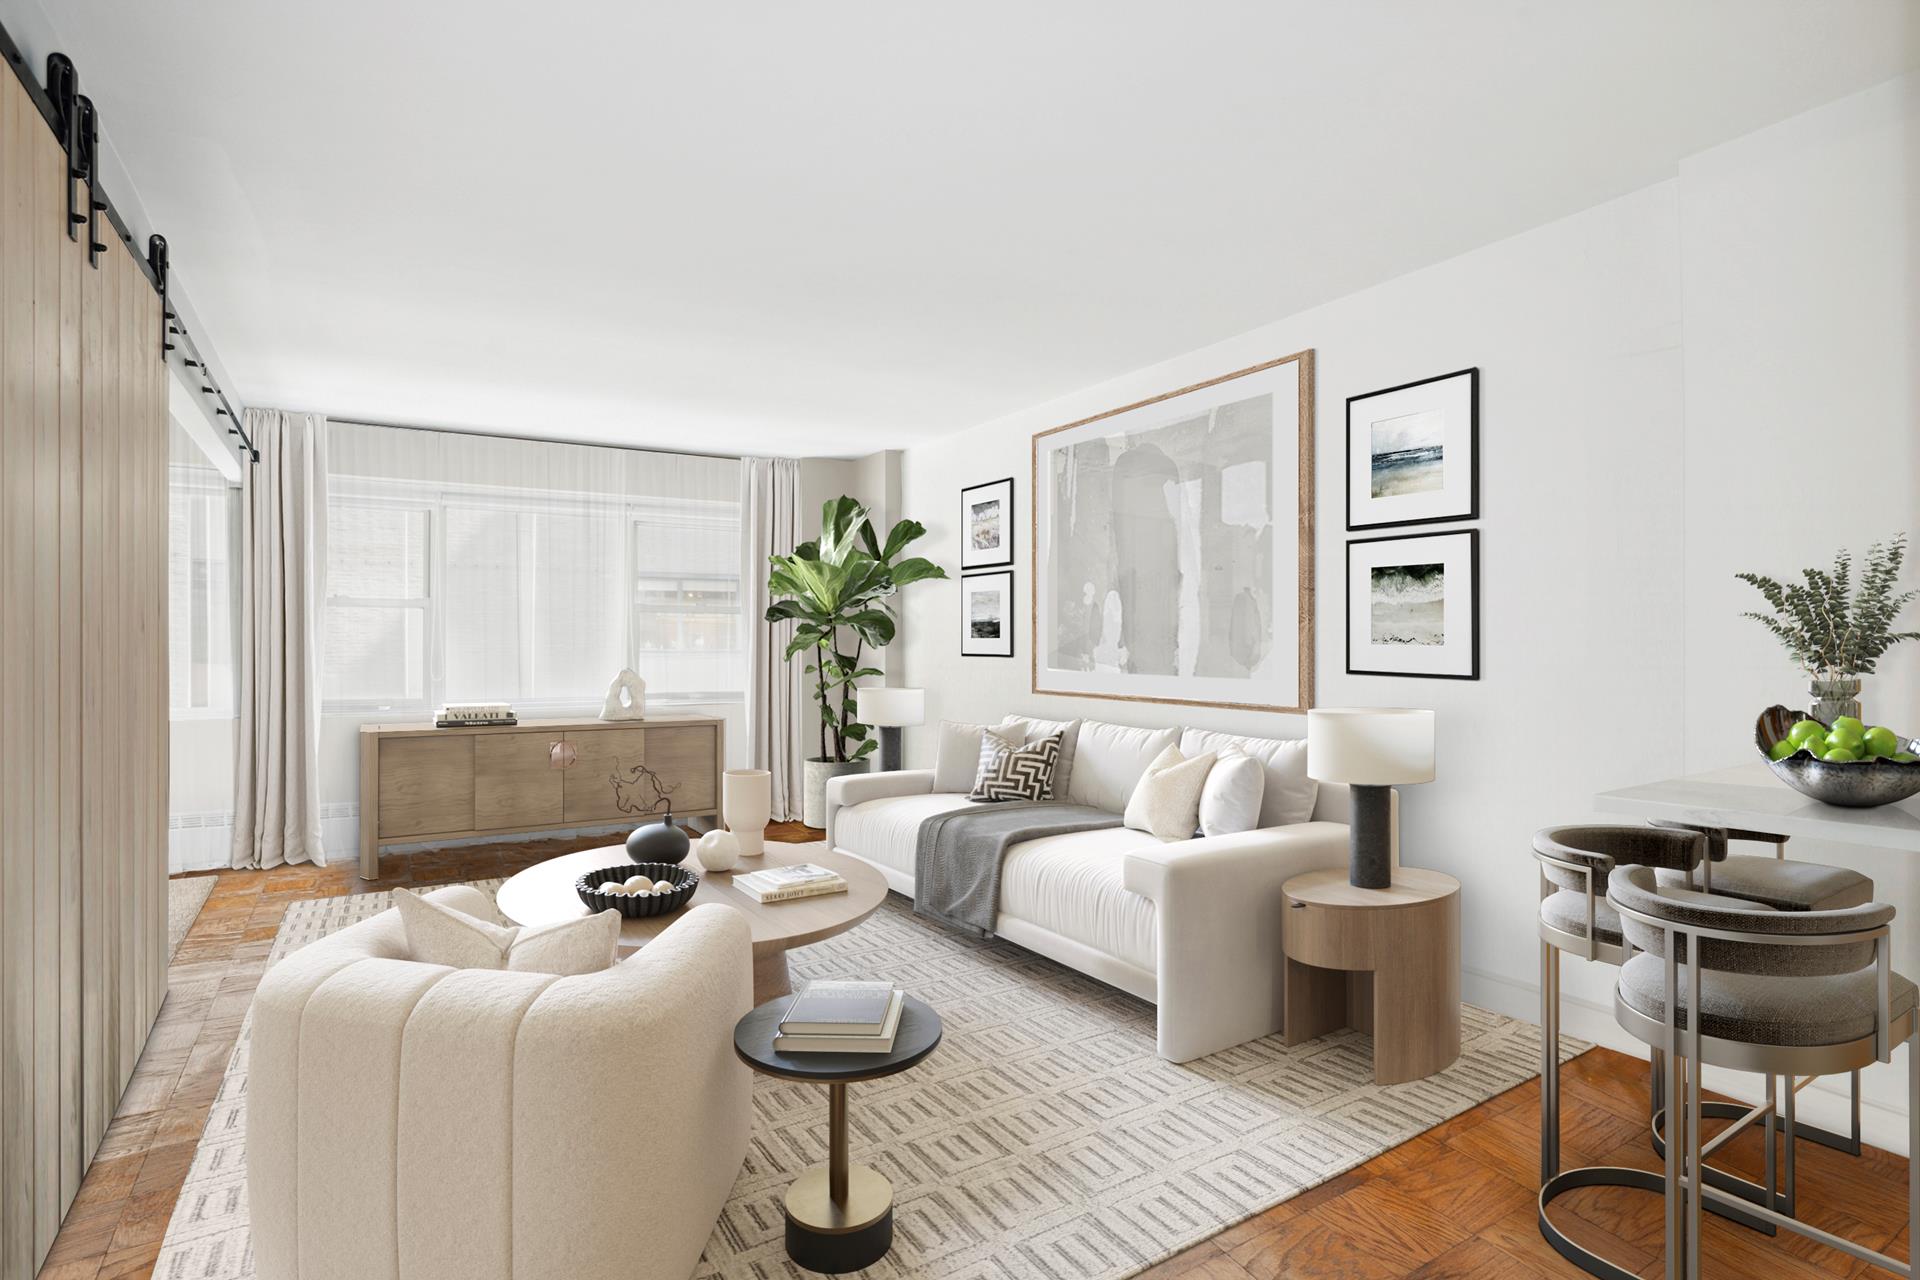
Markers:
point(770, 521)
point(283, 564)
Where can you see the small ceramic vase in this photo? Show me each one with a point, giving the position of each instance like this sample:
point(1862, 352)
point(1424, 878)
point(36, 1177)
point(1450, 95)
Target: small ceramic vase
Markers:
point(718, 850)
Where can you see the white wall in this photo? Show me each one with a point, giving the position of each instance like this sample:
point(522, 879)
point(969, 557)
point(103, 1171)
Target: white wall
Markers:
point(1661, 377)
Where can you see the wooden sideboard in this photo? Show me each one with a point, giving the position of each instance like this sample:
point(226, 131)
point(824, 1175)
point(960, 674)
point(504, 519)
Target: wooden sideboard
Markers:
point(419, 783)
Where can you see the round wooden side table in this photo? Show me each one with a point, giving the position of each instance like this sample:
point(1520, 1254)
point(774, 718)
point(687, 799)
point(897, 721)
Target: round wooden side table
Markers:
point(839, 1214)
point(1382, 961)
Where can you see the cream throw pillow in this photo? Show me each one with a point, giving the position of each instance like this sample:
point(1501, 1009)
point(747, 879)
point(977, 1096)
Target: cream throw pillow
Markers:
point(1166, 800)
point(586, 945)
point(437, 934)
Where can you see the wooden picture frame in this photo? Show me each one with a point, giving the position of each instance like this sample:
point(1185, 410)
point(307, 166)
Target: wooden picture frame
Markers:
point(1273, 502)
point(981, 505)
point(974, 642)
point(1430, 644)
point(1430, 474)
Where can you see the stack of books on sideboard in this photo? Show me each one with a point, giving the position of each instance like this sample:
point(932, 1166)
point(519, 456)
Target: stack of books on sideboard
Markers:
point(781, 884)
point(841, 1017)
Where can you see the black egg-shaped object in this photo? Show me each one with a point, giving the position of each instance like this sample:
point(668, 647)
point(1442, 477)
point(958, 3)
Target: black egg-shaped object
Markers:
point(660, 841)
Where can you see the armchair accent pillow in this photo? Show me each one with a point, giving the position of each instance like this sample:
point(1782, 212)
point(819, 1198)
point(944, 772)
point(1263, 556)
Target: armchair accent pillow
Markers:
point(1166, 800)
point(437, 934)
point(1016, 773)
point(958, 762)
point(586, 945)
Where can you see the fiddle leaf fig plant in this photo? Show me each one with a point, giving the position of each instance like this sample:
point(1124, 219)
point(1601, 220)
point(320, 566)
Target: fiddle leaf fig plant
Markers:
point(837, 592)
point(1833, 630)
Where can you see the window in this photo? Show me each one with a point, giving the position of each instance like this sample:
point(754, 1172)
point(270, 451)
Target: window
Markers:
point(202, 512)
point(527, 573)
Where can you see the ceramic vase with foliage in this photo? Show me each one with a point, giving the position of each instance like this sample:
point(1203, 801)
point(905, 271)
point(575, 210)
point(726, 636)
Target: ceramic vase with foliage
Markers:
point(1834, 629)
point(837, 592)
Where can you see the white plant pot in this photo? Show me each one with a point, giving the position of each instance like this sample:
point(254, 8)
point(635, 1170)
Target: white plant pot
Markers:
point(820, 772)
point(746, 806)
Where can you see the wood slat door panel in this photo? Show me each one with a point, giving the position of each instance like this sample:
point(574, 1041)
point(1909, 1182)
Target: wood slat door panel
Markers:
point(515, 782)
point(600, 755)
point(426, 786)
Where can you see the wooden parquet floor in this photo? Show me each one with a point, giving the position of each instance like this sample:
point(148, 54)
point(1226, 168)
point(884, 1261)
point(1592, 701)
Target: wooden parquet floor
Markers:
point(1458, 1201)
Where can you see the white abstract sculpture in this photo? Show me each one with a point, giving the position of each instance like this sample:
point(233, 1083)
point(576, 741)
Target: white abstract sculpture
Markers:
point(626, 697)
point(718, 850)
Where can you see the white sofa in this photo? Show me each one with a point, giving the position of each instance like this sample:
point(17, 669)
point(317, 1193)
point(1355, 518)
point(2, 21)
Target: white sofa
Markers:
point(407, 1121)
point(1193, 926)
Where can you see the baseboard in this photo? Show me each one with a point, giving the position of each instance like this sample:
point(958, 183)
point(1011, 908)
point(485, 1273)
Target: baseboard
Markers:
point(1826, 1102)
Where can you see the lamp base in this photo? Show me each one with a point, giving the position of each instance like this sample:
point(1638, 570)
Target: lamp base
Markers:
point(890, 753)
point(1370, 862)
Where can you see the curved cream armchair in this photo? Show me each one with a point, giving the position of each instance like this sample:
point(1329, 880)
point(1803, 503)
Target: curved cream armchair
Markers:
point(408, 1121)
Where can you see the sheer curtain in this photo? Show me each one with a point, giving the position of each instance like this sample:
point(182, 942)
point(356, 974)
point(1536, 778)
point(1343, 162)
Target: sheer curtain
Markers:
point(468, 568)
point(771, 509)
point(283, 557)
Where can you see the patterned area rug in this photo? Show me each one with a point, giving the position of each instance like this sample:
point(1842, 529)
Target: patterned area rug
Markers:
point(1042, 1139)
point(185, 896)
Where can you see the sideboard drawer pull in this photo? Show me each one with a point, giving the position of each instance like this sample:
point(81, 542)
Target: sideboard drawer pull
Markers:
point(562, 755)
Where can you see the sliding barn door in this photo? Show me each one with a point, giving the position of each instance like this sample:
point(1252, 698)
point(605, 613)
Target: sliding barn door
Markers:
point(83, 682)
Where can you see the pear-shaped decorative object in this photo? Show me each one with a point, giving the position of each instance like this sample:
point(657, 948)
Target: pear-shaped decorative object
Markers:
point(661, 841)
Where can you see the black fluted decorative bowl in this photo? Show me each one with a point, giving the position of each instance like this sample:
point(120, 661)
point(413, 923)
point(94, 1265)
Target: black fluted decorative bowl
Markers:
point(1852, 784)
point(641, 906)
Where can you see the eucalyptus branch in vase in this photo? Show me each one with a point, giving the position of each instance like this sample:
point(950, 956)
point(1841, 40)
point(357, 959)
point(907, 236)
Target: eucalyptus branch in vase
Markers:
point(1836, 631)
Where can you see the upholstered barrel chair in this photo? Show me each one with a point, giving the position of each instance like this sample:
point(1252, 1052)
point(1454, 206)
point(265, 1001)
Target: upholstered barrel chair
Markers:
point(408, 1121)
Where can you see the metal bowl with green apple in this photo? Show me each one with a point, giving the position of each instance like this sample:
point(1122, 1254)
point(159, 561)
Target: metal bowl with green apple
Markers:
point(1863, 783)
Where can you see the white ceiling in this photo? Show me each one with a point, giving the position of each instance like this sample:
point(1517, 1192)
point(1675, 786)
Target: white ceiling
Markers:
point(830, 227)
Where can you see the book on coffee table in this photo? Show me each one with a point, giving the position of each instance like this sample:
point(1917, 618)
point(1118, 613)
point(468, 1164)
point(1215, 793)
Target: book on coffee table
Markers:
point(856, 1032)
point(778, 884)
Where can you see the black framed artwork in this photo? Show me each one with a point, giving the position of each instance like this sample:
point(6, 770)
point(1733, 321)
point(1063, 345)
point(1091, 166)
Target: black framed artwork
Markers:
point(1413, 452)
point(986, 615)
point(986, 525)
point(1413, 605)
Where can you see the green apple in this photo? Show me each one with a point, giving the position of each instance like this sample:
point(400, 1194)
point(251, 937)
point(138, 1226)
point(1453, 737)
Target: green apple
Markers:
point(1881, 741)
point(1815, 747)
point(1848, 736)
point(1840, 755)
point(1782, 749)
point(1850, 722)
point(1803, 730)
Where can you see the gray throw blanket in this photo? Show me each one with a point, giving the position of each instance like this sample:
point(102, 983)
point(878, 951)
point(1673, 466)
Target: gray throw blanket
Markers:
point(957, 859)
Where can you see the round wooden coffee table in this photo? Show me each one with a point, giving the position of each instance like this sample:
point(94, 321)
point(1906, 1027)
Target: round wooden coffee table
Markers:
point(544, 894)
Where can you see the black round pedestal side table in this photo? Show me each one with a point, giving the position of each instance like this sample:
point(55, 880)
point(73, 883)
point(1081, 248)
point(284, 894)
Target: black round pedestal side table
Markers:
point(839, 1214)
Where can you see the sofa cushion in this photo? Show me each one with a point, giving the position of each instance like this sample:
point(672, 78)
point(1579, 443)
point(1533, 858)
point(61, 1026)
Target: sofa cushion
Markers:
point(1166, 800)
point(1032, 730)
point(1290, 793)
point(437, 934)
point(1074, 885)
point(1230, 800)
point(1016, 773)
point(885, 831)
point(1109, 759)
point(958, 762)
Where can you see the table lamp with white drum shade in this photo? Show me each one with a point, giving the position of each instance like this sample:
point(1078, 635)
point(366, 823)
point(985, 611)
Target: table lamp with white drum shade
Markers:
point(1371, 750)
point(889, 709)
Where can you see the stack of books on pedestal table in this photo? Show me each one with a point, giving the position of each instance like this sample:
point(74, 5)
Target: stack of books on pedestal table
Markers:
point(841, 1017)
point(778, 884)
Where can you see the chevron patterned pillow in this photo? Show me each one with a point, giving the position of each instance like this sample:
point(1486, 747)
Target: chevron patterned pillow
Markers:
point(1016, 773)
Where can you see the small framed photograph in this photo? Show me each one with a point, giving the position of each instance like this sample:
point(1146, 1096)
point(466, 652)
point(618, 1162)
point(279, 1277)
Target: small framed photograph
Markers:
point(1413, 605)
point(1413, 452)
point(986, 615)
point(986, 525)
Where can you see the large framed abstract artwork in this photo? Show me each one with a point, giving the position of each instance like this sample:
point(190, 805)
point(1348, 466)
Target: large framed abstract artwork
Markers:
point(1173, 546)
point(1413, 453)
point(1413, 605)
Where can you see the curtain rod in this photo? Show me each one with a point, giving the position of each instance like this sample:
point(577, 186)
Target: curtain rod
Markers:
point(495, 435)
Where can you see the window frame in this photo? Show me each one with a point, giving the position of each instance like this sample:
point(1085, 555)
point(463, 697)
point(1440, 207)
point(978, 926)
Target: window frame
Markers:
point(199, 483)
point(438, 499)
